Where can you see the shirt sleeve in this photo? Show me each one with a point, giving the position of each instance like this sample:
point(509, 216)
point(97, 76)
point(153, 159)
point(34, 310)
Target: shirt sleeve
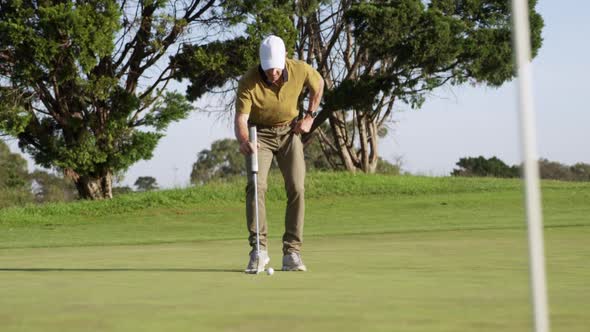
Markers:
point(243, 99)
point(312, 78)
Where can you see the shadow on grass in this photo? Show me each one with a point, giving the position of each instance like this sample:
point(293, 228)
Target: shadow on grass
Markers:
point(117, 270)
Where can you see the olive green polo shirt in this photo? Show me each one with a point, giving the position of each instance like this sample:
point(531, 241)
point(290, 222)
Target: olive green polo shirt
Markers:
point(269, 104)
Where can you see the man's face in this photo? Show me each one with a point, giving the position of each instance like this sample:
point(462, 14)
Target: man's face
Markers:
point(273, 74)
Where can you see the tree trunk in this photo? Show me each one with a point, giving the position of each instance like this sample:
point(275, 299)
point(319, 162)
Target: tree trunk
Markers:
point(364, 140)
point(373, 143)
point(91, 187)
point(364, 156)
point(341, 143)
point(107, 185)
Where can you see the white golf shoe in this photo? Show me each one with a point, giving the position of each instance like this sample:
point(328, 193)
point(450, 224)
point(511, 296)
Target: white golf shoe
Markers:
point(293, 262)
point(257, 264)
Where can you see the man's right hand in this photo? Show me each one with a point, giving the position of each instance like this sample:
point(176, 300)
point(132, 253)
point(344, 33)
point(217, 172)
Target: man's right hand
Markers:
point(246, 148)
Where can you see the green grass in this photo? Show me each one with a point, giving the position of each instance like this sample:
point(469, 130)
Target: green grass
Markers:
point(384, 253)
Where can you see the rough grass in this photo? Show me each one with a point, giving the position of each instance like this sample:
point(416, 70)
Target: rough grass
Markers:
point(318, 185)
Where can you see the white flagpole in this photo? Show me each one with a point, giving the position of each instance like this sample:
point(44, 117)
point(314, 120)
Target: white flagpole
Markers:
point(521, 38)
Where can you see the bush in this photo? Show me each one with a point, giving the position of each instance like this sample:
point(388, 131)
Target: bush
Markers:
point(385, 167)
point(481, 166)
point(15, 197)
point(494, 167)
point(558, 171)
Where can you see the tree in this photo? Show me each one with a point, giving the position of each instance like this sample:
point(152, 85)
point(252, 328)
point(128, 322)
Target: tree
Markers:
point(557, 171)
point(146, 183)
point(581, 171)
point(552, 170)
point(376, 54)
point(83, 83)
point(13, 170)
point(52, 188)
point(320, 158)
point(37, 186)
point(121, 190)
point(216, 66)
point(373, 55)
point(385, 167)
point(481, 166)
point(15, 185)
point(221, 161)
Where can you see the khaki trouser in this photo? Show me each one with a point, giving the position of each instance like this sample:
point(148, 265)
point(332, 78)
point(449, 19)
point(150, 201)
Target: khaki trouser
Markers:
point(288, 149)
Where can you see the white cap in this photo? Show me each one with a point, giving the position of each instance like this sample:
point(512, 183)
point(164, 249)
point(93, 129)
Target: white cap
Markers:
point(272, 53)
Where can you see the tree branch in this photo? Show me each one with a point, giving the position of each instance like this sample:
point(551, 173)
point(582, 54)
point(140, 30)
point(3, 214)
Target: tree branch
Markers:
point(49, 102)
point(387, 112)
point(139, 43)
point(160, 79)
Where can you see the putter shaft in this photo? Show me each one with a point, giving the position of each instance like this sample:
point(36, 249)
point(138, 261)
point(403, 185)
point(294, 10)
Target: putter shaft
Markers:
point(254, 170)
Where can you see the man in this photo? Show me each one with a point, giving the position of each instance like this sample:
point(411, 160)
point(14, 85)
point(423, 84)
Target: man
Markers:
point(267, 97)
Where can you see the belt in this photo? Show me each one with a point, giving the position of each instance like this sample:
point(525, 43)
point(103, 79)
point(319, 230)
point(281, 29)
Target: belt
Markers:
point(278, 125)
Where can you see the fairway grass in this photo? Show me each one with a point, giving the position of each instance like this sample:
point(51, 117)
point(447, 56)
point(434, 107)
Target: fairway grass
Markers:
point(418, 260)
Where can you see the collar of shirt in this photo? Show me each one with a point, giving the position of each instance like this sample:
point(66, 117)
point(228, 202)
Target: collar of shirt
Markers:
point(267, 81)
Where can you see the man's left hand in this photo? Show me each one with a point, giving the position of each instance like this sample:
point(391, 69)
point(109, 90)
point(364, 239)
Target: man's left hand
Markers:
point(303, 125)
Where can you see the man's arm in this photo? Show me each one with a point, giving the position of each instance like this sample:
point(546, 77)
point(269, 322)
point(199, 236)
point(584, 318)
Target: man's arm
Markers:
point(243, 108)
point(241, 131)
point(315, 97)
point(304, 125)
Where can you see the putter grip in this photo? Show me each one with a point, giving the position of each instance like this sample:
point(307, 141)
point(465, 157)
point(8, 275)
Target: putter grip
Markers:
point(254, 156)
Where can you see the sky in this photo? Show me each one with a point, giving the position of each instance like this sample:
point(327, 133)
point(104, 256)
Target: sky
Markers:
point(454, 122)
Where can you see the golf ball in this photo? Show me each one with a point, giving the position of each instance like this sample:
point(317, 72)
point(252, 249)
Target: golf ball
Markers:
point(270, 271)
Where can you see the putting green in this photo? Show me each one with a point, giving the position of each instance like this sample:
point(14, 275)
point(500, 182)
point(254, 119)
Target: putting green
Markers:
point(386, 254)
point(470, 280)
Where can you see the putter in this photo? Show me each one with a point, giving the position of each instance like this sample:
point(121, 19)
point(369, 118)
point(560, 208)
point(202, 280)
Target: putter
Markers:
point(254, 170)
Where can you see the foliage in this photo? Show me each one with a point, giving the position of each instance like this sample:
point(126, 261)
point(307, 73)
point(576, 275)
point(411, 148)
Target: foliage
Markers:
point(83, 83)
point(208, 66)
point(580, 171)
point(557, 171)
point(480, 166)
point(146, 183)
point(318, 158)
point(18, 186)
point(549, 170)
point(372, 54)
point(211, 65)
point(15, 186)
point(376, 54)
point(122, 190)
point(15, 197)
point(422, 46)
point(52, 188)
point(223, 160)
point(13, 170)
point(385, 167)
